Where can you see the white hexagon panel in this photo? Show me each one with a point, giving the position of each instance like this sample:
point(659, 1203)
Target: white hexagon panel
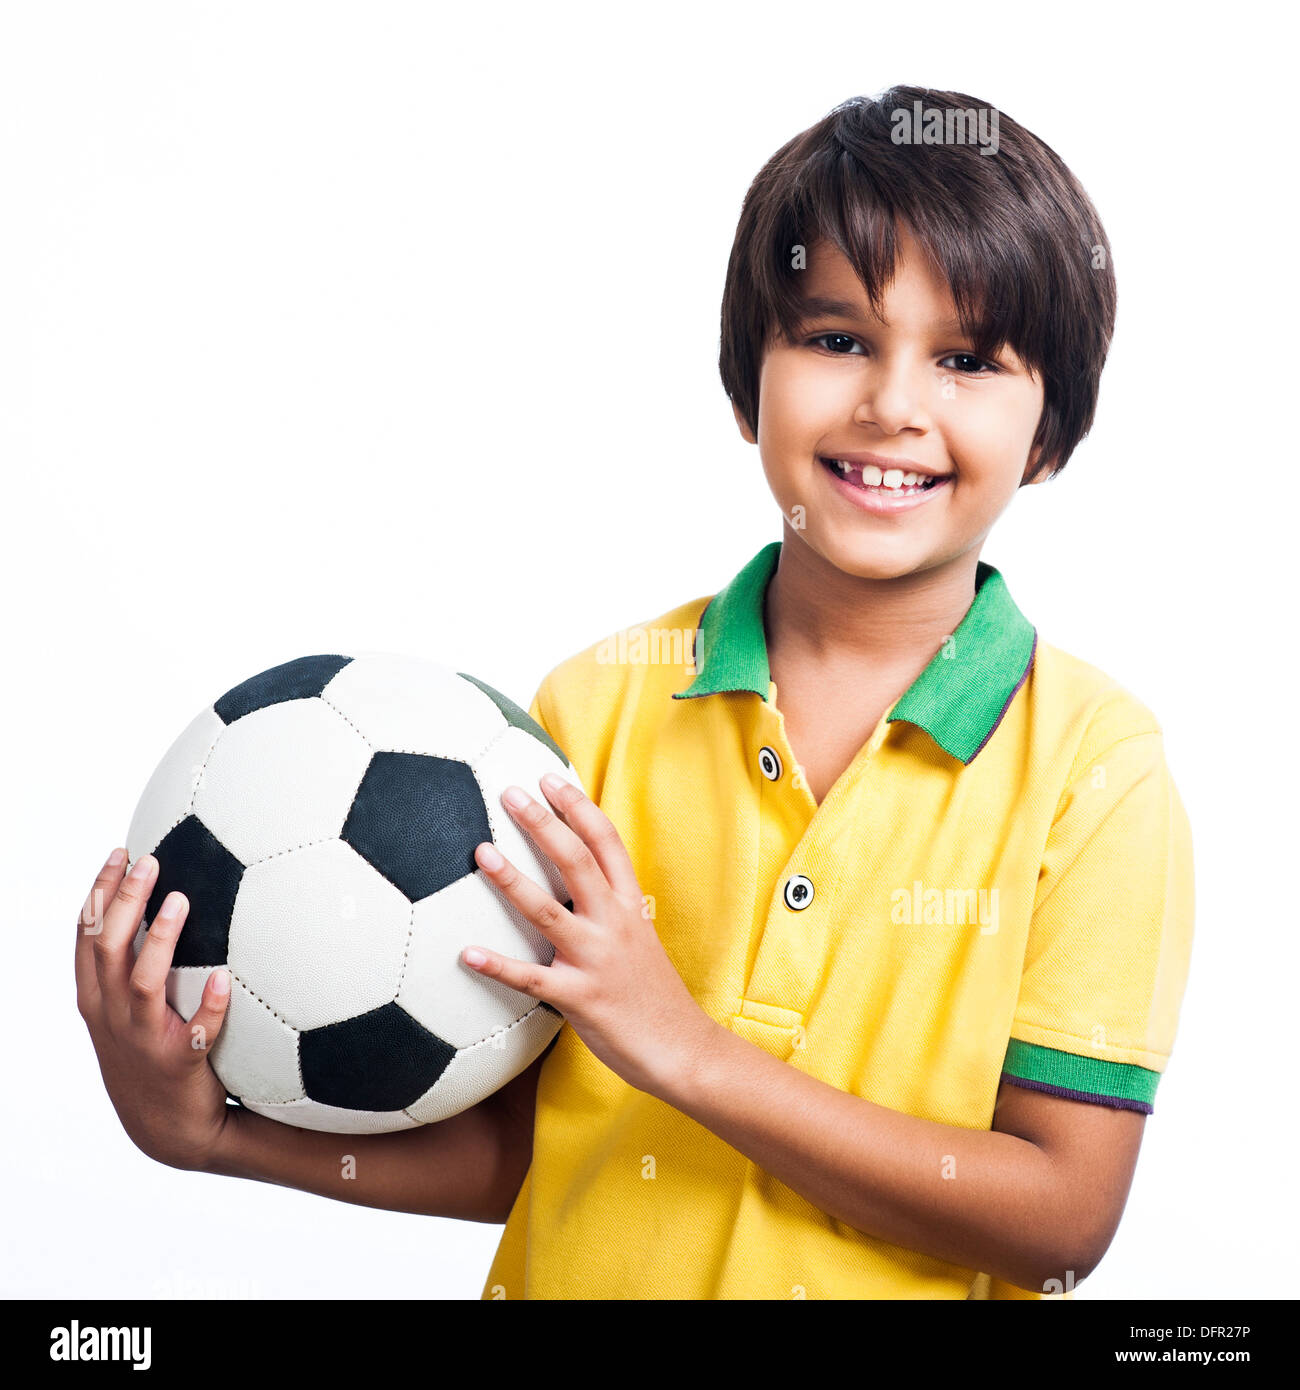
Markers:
point(318, 935)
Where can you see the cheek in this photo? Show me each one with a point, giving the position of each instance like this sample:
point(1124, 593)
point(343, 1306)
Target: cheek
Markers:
point(990, 435)
point(796, 402)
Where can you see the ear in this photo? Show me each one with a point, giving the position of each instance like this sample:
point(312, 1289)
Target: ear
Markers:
point(745, 432)
point(1035, 461)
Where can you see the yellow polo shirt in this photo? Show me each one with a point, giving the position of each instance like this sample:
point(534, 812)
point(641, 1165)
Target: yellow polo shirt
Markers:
point(998, 886)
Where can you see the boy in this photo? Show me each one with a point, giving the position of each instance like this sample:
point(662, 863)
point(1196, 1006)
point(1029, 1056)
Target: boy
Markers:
point(867, 991)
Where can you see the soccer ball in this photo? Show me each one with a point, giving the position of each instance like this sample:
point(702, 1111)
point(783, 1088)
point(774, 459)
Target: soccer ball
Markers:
point(321, 818)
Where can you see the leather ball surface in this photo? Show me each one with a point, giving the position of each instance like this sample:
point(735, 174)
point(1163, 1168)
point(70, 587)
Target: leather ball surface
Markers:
point(321, 818)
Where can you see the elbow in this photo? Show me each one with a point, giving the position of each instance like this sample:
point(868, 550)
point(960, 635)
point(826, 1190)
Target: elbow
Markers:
point(1068, 1263)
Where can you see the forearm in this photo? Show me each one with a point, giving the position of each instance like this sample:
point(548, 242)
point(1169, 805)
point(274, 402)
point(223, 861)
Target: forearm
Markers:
point(464, 1167)
point(983, 1200)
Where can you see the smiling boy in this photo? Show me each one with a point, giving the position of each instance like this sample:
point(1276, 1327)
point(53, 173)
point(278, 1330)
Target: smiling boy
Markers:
point(881, 905)
point(849, 1099)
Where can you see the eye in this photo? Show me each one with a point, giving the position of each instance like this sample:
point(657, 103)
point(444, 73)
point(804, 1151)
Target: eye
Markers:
point(976, 365)
point(840, 344)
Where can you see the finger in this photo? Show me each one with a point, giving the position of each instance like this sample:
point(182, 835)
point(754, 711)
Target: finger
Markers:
point(90, 923)
point(598, 833)
point(555, 922)
point(582, 874)
point(148, 983)
point(528, 977)
point(206, 1021)
point(121, 922)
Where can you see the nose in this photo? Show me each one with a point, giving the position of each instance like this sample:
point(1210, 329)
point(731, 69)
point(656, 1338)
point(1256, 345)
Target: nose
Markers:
point(893, 397)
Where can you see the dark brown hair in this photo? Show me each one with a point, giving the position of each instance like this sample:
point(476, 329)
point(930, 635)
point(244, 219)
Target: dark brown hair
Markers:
point(1013, 232)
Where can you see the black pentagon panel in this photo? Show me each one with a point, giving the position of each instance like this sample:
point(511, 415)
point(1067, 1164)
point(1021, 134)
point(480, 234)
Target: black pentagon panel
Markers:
point(520, 718)
point(191, 860)
point(417, 818)
point(295, 680)
point(381, 1060)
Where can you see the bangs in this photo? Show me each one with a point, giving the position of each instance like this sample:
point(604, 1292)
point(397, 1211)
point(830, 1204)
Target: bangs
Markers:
point(982, 260)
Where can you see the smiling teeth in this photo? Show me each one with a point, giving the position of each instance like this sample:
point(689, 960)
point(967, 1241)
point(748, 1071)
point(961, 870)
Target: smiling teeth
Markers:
point(875, 477)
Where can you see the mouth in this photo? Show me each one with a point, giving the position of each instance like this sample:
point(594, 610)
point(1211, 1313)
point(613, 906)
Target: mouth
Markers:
point(884, 483)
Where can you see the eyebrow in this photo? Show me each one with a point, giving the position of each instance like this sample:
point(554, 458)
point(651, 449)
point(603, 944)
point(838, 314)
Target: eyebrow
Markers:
point(818, 307)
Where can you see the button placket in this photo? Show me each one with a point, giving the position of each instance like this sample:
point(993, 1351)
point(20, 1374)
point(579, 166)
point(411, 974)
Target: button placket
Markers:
point(785, 810)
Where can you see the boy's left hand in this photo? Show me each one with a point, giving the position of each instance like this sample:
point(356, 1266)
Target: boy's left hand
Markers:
point(610, 976)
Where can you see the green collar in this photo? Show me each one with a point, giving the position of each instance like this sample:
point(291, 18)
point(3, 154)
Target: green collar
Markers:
point(960, 697)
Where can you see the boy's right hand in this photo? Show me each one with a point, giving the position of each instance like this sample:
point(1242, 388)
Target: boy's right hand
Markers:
point(155, 1064)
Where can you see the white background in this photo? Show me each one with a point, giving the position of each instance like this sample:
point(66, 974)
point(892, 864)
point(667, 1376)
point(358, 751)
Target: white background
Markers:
point(394, 326)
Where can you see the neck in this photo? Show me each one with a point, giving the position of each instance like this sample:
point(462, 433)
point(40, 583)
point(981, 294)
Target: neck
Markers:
point(813, 610)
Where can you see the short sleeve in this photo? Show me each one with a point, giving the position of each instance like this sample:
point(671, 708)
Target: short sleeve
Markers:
point(1110, 939)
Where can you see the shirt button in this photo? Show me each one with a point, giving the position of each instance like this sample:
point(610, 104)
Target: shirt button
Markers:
point(770, 762)
point(798, 892)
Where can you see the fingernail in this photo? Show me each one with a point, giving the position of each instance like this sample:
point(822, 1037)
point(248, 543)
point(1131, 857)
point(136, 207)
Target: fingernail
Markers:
point(221, 982)
point(474, 956)
point(116, 858)
point(171, 906)
point(553, 782)
point(142, 866)
point(489, 856)
point(516, 797)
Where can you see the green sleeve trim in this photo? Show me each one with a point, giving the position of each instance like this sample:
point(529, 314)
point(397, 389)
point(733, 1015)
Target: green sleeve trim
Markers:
point(1050, 1067)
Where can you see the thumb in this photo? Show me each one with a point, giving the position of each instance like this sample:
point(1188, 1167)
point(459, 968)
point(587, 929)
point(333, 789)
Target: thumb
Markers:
point(206, 1021)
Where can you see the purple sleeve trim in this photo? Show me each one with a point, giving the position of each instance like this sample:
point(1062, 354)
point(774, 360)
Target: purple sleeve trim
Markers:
point(1115, 1102)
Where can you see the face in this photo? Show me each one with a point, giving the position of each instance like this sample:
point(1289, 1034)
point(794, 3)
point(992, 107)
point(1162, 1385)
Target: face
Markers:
point(902, 392)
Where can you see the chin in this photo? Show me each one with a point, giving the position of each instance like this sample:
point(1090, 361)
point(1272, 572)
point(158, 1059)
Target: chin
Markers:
point(865, 558)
